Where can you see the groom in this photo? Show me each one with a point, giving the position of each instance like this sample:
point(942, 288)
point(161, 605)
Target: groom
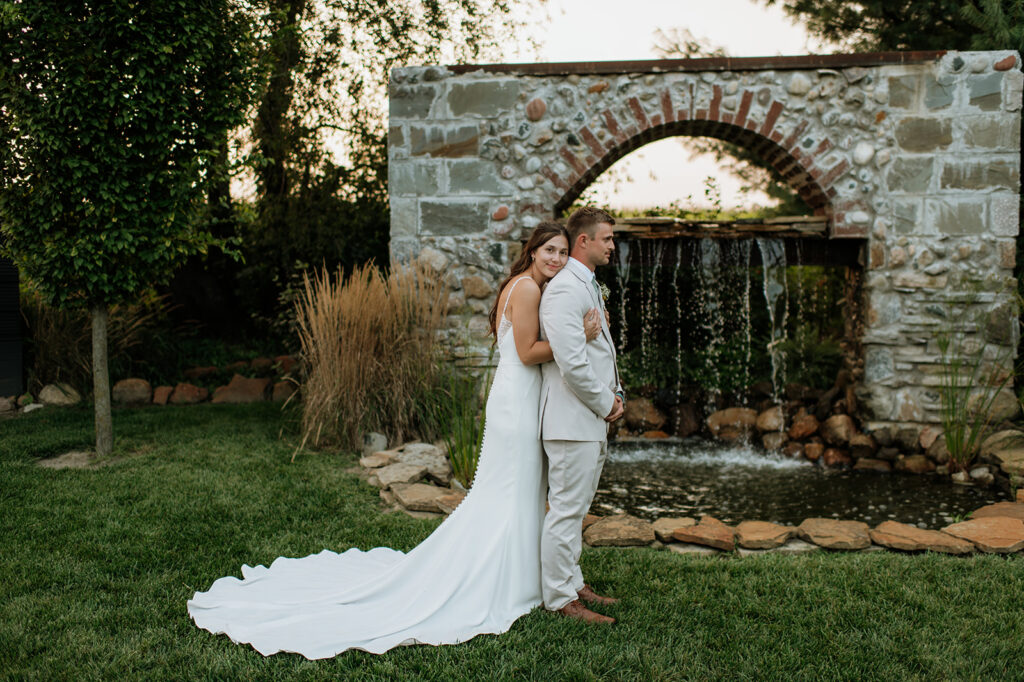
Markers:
point(580, 396)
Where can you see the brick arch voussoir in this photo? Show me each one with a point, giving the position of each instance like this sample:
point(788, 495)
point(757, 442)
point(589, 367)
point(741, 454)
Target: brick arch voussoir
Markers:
point(785, 153)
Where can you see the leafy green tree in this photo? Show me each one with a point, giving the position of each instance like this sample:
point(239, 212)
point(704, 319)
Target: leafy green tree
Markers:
point(317, 143)
point(113, 113)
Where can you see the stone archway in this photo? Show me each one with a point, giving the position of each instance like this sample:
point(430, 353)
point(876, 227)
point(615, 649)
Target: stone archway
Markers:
point(916, 154)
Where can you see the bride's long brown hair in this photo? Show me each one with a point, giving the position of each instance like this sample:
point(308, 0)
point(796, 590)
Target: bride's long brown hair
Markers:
point(542, 234)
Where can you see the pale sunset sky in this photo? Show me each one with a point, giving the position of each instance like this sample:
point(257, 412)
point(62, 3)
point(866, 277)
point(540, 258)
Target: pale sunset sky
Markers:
point(613, 30)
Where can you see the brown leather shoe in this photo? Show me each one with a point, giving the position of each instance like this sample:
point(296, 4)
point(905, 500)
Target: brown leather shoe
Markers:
point(588, 595)
point(576, 610)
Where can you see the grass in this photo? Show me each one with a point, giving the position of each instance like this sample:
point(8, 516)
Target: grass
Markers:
point(96, 566)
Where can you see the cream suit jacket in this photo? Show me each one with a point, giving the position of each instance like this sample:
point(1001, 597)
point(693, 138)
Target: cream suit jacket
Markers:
point(579, 386)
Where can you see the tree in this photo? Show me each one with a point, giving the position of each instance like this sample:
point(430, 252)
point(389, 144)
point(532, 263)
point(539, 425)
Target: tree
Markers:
point(113, 113)
point(317, 143)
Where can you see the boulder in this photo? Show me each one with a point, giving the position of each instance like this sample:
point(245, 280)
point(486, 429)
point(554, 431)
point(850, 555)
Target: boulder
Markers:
point(282, 390)
point(814, 451)
point(772, 419)
point(194, 373)
point(261, 364)
point(868, 464)
point(621, 530)
point(685, 420)
point(7, 405)
point(242, 390)
point(642, 415)
point(448, 502)
point(913, 539)
point(730, 423)
point(665, 527)
point(793, 449)
point(1011, 510)
point(835, 458)
point(994, 534)
point(833, 534)
point(803, 426)
point(429, 456)
point(161, 394)
point(188, 394)
point(690, 549)
point(1010, 461)
point(400, 473)
point(374, 442)
point(418, 496)
point(285, 363)
point(862, 445)
point(928, 435)
point(1020, 495)
point(915, 464)
point(762, 534)
point(907, 438)
point(1002, 440)
point(654, 435)
point(237, 366)
point(710, 532)
point(59, 394)
point(132, 392)
point(938, 451)
point(774, 440)
point(377, 459)
point(838, 430)
point(588, 519)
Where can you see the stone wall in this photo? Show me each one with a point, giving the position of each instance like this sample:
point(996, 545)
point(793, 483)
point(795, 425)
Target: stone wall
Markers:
point(915, 154)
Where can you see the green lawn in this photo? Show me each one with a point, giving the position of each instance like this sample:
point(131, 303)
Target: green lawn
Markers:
point(96, 566)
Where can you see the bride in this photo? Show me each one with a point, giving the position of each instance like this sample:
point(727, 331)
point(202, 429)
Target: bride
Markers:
point(477, 573)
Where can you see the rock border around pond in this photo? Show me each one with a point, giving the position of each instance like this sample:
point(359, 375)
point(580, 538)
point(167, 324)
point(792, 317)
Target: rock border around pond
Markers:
point(416, 478)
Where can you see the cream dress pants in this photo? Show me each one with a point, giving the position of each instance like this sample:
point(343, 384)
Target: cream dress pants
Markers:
point(574, 469)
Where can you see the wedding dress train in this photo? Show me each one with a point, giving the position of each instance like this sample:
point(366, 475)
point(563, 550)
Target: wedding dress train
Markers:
point(477, 573)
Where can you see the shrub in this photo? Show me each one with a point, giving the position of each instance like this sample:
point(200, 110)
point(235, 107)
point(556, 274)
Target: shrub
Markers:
point(372, 353)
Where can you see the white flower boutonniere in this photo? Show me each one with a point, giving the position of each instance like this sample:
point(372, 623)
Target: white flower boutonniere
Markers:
point(605, 291)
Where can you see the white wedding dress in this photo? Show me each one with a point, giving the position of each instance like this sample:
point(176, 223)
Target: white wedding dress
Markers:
point(477, 573)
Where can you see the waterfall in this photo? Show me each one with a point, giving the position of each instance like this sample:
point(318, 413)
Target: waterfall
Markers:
point(709, 274)
point(678, 320)
point(622, 277)
point(773, 260)
point(649, 303)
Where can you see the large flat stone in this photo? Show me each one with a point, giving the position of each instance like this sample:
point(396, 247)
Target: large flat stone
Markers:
point(665, 527)
point(470, 176)
point(957, 216)
point(986, 91)
point(833, 534)
point(978, 175)
point(482, 98)
point(242, 390)
point(1011, 461)
point(377, 459)
point(762, 534)
point(911, 539)
point(411, 101)
point(621, 530)
point(924, 134)
point(419, 496)
point(441, 141)
point(429, 456)
point(418, 179)
point(448, 502)
point(910, 174)
point(400, 473)
point(452, 217)
point(989, 132)
point(1011, 510)
point(711, 532)
point(691, 549)
point(996, 534)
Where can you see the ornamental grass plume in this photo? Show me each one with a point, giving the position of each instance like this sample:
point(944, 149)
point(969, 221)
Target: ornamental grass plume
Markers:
point(371, 348)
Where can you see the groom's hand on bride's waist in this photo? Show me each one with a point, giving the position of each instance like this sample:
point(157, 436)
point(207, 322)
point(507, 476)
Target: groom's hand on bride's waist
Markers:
point(617, 410)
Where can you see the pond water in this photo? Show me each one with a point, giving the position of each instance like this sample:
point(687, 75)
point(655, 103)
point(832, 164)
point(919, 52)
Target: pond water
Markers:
point(695, 477)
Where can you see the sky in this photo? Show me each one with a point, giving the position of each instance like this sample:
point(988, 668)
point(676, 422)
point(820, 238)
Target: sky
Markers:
point(613, 30)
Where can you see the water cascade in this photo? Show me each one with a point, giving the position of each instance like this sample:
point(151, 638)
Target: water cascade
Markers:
point(773, 260)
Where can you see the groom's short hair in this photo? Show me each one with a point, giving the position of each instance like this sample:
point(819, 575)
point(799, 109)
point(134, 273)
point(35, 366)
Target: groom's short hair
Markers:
point(585, 220)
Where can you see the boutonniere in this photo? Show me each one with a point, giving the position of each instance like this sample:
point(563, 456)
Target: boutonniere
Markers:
point(605, 291)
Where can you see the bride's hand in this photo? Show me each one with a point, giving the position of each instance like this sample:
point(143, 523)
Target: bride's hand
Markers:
point(592, 324)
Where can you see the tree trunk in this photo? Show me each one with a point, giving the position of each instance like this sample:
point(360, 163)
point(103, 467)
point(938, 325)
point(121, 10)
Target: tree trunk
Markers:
point(101, 382)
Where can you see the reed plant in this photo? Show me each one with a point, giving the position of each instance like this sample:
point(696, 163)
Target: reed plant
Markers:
point(461, 415)
point(371, 351)
point(969, 383)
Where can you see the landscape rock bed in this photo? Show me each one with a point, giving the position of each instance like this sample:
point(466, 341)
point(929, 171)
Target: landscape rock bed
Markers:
point(415, 478)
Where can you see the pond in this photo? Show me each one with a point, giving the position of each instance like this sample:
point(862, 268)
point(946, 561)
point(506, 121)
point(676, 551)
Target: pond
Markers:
point(692, 477)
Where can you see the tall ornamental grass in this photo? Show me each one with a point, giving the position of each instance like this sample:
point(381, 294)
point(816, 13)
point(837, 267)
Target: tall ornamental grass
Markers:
point(372, 354)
